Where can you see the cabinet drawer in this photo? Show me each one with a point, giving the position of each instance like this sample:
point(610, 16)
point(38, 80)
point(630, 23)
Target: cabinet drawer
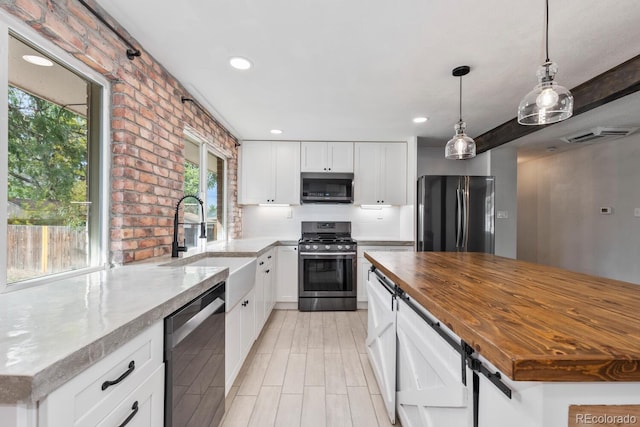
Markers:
point(98, 390)
point(142, 408)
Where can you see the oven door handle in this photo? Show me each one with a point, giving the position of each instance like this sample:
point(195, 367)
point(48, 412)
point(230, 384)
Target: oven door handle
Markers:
point(327, 253)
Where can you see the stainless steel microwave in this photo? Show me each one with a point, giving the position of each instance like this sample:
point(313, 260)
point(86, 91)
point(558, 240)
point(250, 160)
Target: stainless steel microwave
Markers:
point(326, 187)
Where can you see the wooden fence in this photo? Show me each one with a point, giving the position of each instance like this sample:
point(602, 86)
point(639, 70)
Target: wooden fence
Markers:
point(39, 250)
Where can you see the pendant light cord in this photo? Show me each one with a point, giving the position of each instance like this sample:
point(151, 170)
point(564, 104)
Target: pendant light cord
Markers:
point(460, 120)
point(546, 38)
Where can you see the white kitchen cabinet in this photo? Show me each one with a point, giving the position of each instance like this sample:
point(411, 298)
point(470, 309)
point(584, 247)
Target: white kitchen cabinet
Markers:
point(240, 334)
point(327, 156)
point(270, 172)
point(137, 372)
point(429, 376)
point(381, 340)
point(287, 274)
point(265, 287)
point(364, 265)
point(380, 173)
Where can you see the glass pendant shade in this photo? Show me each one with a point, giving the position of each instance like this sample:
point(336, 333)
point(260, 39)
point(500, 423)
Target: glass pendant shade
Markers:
point(460, 147)
point(548, 102)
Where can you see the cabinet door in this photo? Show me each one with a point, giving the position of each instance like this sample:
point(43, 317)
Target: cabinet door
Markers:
point(381, 341)
point(257, 177)
point(340, 156)
point(269, 291)
point(286, 169)
point(366, 173)
point(287, 274)
point(233, 345)
point(261, 278)
point(313, 157)
point(430, 389)
point(393, 166)
point(248, 331)
point(363, 273)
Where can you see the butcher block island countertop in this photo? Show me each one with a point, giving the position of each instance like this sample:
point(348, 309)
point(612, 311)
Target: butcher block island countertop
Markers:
point(532, 322)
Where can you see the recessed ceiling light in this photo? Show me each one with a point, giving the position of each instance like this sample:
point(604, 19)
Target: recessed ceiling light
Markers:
point(240, 63)
point(276, 131)
point(38, 60)
point(420, 119)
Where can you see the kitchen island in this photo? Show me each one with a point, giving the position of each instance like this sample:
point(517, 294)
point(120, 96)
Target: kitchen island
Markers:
point(551, 337)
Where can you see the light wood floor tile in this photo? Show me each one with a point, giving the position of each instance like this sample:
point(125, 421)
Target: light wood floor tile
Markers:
point(353, 372)
point(277, 367)
point(334, 374)
point(360, 337)
point(331, 342)
point(338, 412)
point(285, 337)
point(345, 337)
point(328, 319)
point(314, 407)
point(381, 412)
point(315, 318)
point(253, 379)
point(363, 317)
point(267, 340)
point(294, 375)
point(362, 412)
point(300, 340)
point(276, 319)
point(240, 412)
point(368, 374)
point(266, 407)
point(229, 399)
point(316, 339)
point(289, 411)
point(314, 372)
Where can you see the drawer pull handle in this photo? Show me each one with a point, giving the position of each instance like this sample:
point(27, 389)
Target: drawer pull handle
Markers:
point(134, 408)
point(107, 384)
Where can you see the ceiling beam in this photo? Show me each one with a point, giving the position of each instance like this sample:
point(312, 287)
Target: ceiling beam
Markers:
point(606, 87)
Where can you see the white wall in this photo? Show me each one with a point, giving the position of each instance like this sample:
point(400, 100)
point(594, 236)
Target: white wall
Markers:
point(559, 200)
point(431, 161)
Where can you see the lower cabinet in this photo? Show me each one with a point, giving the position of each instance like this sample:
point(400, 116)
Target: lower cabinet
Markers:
point(265, 287)
point(429, 376)
point(240, 334)
point(287, 274)
point(126, 384)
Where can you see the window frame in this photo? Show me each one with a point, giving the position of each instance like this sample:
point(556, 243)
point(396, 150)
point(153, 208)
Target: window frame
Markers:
point(100, 185)
point(205, 148)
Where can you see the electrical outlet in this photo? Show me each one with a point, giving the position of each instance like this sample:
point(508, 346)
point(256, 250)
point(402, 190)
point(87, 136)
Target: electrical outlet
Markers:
point(636, 212)
point(503, 214)
point(606, 210)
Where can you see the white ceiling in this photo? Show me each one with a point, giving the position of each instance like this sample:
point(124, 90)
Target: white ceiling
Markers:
point(362, 69)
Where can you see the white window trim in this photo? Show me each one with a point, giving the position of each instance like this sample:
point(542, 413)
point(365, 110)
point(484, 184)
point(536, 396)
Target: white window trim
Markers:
point(11, 24)
point(207, 147)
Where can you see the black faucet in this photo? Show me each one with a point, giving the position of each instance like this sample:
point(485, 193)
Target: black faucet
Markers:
point(175, 248)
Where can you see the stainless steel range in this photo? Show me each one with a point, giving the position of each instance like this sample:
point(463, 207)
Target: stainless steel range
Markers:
point(327, 267)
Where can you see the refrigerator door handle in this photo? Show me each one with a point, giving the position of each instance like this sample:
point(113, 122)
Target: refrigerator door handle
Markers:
point(465, 217)
point(459, 215)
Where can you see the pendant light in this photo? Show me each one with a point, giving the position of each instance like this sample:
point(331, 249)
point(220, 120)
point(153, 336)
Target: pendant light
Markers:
point(548, 102)
point(460, 146)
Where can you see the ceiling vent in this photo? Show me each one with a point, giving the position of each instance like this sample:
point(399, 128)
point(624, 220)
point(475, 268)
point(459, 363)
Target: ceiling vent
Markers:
point(599, 133)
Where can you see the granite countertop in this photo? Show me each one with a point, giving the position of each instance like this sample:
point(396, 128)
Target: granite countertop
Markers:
point(532, 322)
point(51, 333)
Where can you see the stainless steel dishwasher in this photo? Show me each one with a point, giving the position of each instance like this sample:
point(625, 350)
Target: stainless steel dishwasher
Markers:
point(194, 361)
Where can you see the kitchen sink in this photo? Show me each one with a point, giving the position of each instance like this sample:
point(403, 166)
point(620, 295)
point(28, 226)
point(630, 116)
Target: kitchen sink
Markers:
point(242, 274)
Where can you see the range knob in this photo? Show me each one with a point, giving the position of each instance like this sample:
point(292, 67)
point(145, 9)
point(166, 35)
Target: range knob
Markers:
point(327, 247)
point(307, 247)
point(315, 246)
point(347, 247)
point(339, 247)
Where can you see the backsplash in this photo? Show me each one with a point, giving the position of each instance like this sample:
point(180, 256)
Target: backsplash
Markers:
point(393, 223)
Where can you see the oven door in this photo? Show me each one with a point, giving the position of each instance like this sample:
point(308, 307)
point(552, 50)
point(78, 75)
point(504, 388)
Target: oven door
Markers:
point(327, 275)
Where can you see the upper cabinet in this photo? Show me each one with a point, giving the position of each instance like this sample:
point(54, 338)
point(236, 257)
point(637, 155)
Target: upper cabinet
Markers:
point(327, 157)
point(270, 172)
point(380, 173)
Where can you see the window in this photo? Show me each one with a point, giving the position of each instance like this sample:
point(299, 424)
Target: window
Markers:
point(204, 176)
point(52, 149)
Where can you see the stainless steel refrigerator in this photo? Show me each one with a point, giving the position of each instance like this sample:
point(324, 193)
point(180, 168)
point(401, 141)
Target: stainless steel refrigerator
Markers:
point(455, 213)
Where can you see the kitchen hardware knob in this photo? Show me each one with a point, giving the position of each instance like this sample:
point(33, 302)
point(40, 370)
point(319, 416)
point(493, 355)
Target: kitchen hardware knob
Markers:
point(134, 408)
point(269, 257)
point(125, 374)
point(261, 262)
point(267, 271)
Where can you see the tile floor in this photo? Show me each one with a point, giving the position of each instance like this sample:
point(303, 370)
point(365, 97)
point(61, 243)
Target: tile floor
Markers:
point(308, 369)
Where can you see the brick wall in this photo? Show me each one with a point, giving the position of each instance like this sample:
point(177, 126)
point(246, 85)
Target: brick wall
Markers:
point(147, 123)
